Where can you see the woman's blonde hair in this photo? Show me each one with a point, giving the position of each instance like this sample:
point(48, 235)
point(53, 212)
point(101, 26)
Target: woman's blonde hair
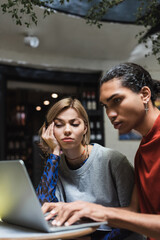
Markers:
point(59, 107)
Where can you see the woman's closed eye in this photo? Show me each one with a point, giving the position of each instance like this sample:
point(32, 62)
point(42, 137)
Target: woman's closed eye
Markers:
point(75, 124)
point(58, 125)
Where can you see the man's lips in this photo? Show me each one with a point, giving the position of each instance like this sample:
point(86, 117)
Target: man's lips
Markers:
point(117, 125)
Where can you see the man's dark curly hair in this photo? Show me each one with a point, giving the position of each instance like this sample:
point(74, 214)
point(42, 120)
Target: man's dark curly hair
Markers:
point(134, 77)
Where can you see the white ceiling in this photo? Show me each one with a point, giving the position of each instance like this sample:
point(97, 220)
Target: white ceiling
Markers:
point(64, 37)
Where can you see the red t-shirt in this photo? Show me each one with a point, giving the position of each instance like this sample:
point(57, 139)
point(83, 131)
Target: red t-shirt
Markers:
point(147, 171)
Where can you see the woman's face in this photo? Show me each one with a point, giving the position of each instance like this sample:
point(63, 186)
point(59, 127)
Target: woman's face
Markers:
point(124, 108)
point(69, 129)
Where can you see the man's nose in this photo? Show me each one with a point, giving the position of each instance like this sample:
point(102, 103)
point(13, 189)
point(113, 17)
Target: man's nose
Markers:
point(112, 114)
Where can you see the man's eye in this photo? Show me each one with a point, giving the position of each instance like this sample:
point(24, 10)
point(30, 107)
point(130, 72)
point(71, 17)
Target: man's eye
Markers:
point(117, 100)
point(105, 106)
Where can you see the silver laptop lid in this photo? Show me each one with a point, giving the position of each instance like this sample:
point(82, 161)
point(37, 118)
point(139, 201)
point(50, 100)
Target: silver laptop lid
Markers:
point(18, 201)
point(19, 204)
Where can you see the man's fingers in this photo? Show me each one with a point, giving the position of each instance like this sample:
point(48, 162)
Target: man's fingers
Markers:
point(46, 207)
point(66, 212)
point(50, 215)
point(62, 215)
point(74, 218)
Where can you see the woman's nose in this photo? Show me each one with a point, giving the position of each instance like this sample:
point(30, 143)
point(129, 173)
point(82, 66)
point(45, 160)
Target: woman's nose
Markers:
point(67, 129)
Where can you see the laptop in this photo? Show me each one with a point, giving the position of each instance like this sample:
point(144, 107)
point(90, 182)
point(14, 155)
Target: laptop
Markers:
point(19, 204)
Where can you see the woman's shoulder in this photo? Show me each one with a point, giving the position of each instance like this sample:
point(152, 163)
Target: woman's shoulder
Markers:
point(111, 155)
point(110, 151)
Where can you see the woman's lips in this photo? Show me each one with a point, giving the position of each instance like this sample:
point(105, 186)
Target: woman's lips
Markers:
point(67, 139)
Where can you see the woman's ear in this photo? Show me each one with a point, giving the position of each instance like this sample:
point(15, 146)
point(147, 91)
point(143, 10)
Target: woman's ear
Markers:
point(85, 129)
point(146, 94)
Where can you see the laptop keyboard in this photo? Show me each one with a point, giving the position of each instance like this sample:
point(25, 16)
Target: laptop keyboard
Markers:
point(82, 221)
point(50, 223)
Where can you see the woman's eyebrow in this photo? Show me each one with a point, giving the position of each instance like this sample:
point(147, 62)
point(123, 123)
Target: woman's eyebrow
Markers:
point(62, 120)
point(58, 119)
point(74, 119)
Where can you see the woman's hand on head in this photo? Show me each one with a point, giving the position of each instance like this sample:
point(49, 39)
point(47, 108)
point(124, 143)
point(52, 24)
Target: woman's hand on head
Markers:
point(49, 138)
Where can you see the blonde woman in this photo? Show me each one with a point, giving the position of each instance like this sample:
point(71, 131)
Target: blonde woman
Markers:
point(77, 170)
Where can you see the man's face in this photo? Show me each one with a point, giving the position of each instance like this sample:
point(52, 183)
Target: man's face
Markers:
point(124, 108)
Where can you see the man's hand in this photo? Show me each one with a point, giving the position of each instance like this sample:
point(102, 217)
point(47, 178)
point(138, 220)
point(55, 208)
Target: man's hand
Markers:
point(52, 209)
point(69, 213)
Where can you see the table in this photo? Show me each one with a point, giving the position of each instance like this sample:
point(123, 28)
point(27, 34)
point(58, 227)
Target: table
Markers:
point(13, 232)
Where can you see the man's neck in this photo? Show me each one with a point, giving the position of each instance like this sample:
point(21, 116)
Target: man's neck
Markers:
point(149, 120)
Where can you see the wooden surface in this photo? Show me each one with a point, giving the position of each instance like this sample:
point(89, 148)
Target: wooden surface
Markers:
point(12, 232)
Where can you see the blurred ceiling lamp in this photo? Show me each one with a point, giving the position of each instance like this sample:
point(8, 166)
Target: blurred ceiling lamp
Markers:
point(38, 108)
point(54, 95)
point(31, 41)
point(46, 102)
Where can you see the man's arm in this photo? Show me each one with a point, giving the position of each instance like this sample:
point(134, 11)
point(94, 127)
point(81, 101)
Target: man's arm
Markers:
point(127, 218)
point(134, 205)
point(146, 224)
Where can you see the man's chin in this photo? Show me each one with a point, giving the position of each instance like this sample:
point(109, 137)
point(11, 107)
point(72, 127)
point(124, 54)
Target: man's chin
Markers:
point(123, 132)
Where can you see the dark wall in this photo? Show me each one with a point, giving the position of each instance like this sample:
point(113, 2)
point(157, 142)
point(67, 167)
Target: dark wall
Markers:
point(17, 138)
point(2, 116)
